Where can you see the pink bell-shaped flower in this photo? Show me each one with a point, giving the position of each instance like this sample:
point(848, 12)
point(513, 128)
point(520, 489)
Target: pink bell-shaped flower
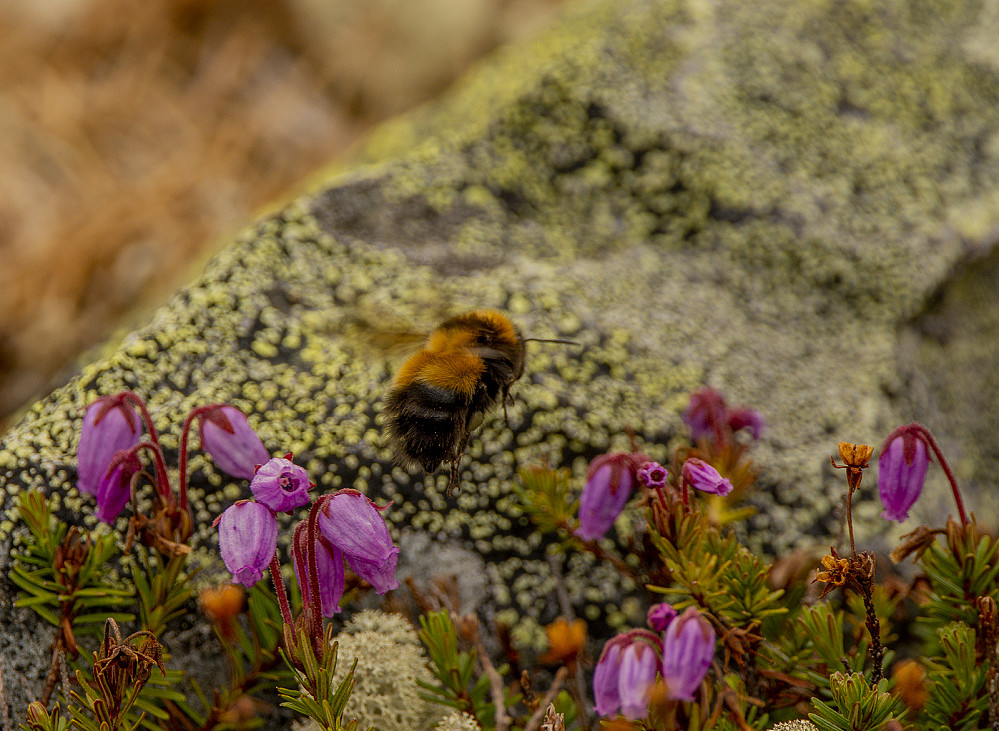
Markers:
point(247, 540)
point(109, 426)
point(228, 438)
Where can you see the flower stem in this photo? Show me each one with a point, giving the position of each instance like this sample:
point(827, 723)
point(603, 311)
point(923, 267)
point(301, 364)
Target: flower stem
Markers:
point(947, 471)
point(282, 595)
point(184, 434)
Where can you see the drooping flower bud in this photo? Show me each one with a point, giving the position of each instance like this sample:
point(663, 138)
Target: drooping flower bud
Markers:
point(228, 438)
point(329, 570)
point(701, 476)
point(114, 489)
point(247, 540)
point(706, 413)
point(659, 616)
point(739, 419)
point(639, 666)
point(353, 524)
point(109, 425)
point(902, 470)
point(281, 485)
point(609, 482)
point(688, 647)
point(625, 674)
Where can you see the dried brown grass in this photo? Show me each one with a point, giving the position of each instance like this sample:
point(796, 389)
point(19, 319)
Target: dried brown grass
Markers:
point(133, 133)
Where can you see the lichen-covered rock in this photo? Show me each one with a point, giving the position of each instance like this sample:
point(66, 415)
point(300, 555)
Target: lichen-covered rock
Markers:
point(771, 198)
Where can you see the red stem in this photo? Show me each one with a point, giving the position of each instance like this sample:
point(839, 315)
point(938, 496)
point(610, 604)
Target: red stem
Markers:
point(314, 598)
point(282, 595)
point(163, 482)
point(184, 433)
point(137, 400)
point(947, 471)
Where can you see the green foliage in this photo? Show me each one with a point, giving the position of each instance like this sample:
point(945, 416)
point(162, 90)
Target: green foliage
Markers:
point(65, 574)
point(957, 699)
point(855, 705)
point(161, 588)
point(547, 495)
point(454, 669)
point(960, 568)
point(316, 697)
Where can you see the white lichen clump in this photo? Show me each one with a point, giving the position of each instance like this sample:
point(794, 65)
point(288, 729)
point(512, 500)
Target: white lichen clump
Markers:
point(457, 721)
point(390, 659)
point(795, 726)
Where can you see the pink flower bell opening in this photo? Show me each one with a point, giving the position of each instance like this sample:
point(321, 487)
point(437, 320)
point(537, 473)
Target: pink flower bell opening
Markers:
point(281, 485)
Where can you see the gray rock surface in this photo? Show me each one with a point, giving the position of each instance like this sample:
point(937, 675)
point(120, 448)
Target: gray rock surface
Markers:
point(794, 202)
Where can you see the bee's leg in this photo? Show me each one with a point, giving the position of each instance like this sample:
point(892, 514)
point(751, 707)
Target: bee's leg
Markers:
point(454, 482)
point(506, 399)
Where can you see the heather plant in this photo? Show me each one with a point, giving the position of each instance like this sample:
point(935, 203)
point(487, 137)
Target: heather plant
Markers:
point(733, 640)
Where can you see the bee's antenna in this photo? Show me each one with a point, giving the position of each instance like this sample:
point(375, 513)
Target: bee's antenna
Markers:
point(551, 340)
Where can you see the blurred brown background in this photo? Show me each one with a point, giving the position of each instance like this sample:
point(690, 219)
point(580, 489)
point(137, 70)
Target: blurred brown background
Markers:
point(135, 133)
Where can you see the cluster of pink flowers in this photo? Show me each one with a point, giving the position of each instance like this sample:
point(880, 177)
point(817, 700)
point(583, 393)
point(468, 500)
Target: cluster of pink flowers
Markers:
point(347, 526)
point(677, 649)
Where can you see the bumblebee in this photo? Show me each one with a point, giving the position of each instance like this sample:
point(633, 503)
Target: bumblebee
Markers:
point(465, 367)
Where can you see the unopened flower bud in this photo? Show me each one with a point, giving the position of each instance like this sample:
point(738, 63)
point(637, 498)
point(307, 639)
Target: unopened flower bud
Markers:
point(902, 471)
point(115, 489)
point(609, 482)
point(353, 524)
point(625, 674)
point(109, 426)
point(659, 616)
point(247, 540)
point(226, 435)
point(688, 648)
point(701, 476)
point(329, 571)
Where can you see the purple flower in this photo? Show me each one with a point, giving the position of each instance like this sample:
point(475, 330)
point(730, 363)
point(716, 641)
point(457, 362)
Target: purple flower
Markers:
point(609, 482)
point(708, 417)
point(746, 419)
point(115, 488)
point(230, 440)
point(660, 615)
point(329, 568)
point(281, 485)
point(901, 471)
point(701, 476)
point(380, 574)
point(247, 540)
point(625, 674)
point(653, 475)
point(353, 524)
point(706, 413)
point(605, 675)
point(688, 647)
point(109, 425)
